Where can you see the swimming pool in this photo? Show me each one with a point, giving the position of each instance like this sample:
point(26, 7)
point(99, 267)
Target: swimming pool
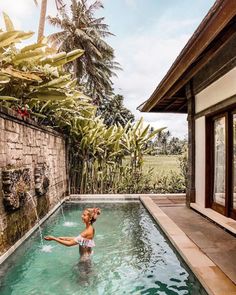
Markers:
point(131, 256)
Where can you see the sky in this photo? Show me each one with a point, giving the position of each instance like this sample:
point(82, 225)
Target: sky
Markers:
point(149, 35)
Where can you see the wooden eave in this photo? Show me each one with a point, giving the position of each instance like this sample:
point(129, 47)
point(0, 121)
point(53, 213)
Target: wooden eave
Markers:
point(215, 29)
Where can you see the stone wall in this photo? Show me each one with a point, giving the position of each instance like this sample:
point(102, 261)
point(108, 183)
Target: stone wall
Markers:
point(39, 151)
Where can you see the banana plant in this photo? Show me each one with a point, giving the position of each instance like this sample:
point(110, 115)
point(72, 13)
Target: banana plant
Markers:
point(135, 142)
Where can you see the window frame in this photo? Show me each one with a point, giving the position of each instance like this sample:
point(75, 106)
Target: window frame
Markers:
point(228, 113)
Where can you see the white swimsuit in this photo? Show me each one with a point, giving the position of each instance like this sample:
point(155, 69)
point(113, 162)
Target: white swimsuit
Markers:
point(86, 243)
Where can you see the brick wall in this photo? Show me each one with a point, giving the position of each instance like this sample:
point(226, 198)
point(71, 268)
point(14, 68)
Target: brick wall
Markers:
point(23, 144)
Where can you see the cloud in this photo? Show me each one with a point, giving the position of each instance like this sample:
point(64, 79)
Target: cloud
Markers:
point(16, 10)
point(131, 3)
point(145, 57)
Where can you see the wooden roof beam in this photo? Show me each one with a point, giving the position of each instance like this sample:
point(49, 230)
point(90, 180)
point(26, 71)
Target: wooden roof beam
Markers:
point(171, 104)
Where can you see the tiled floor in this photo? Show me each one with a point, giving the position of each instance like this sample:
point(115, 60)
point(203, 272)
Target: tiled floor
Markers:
point(217, 244)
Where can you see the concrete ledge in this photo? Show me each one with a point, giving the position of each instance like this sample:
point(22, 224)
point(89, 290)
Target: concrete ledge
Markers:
point(30, 232)
point(210, 276)
point(102, 197)
point(124, 196)
point(225, 222)
point(12, 115)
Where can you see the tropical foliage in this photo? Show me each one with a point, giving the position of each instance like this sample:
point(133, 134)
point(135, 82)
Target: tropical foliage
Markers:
point(35, 84)
point(80, 29)
point(101, 153)
point(183, 164)
point(113, 111)
point(165, 144)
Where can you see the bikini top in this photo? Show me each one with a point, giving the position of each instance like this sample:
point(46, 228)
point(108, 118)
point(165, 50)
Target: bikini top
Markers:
point(88, 243)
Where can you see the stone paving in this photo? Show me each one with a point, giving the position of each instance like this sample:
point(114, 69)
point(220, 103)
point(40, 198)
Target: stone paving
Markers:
point(215, 242)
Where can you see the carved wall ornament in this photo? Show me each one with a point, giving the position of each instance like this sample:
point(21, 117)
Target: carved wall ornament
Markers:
point(41, 179)
point(15, 184)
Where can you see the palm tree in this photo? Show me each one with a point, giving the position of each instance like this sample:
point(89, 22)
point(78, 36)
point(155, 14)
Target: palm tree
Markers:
point(42, 19)
point(163, 139)
point(81, 30)
point(114, 112)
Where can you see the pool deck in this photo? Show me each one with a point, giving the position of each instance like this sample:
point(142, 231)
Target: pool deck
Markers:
point(212, 240)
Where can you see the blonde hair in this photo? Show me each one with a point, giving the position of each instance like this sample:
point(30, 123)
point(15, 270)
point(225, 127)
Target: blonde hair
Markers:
point(93, 213)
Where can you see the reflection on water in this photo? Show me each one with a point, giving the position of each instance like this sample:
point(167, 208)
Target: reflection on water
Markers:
point(84, 271)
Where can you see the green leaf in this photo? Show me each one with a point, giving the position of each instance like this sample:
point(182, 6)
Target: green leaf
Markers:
point(4, 79)
point(8, 23)
point(8, 98)
point(21, 75)
point(55, 82)
point(28, 56)
point(32, 47)
point(39, 115)
point(74, 55)
point(7, 38)
point(23, 35)
point(48, 95)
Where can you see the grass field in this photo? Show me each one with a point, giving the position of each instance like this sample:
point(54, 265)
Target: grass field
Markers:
point(161, 164)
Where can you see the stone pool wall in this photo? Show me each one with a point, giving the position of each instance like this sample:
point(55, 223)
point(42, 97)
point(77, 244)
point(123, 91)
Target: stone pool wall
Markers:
point(32, 159)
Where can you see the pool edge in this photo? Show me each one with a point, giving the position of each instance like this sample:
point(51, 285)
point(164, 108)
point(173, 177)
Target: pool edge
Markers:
point(212, 278)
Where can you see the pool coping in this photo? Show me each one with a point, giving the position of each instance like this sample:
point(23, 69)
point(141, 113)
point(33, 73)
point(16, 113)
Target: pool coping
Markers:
point(212, 278)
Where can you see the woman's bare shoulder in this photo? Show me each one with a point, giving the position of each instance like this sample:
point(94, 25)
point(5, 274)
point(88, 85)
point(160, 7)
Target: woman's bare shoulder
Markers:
point(88, 233)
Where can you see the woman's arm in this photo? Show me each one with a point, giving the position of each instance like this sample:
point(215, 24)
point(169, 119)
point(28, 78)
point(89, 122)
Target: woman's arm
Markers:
point(69, 241)
point(65, 238)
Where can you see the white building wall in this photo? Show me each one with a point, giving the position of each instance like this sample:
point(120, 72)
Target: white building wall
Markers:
point(218, 91)
point(221, 89)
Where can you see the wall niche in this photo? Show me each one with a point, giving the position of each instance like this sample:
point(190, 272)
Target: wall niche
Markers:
point(41, 179)
point(15, 185)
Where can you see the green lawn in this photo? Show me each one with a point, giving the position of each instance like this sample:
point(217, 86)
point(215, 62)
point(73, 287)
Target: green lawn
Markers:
point(161, 164)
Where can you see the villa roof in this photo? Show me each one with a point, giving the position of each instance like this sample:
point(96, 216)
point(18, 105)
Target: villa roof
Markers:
point(215, 29)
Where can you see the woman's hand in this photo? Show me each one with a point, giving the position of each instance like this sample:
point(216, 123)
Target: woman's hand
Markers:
point(49, 238)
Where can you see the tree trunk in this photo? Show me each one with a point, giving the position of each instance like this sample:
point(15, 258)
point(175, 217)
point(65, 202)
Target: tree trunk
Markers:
point(42, 20)
point(78, 70)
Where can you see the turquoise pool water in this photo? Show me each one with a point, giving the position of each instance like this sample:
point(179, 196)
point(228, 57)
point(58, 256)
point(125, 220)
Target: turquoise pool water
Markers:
point(131, 257)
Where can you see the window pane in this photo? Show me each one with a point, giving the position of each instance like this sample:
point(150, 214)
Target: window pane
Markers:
point(219, 161)
point(234, 161)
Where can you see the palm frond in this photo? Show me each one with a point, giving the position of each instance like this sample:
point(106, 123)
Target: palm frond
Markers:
point(96, 5)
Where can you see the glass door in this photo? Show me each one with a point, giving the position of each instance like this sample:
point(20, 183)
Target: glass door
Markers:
point(233, 203)
point(221, 162)
point(219, 174)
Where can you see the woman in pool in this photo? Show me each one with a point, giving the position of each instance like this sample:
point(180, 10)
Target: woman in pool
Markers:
point(85, 239)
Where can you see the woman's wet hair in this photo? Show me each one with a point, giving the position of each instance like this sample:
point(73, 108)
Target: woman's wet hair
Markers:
point(93, 214)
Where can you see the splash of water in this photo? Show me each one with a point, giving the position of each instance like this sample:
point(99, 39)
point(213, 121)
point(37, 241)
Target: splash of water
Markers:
point(60, 202)
point(69, 224)
point(47, 248)
point(37, 217)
